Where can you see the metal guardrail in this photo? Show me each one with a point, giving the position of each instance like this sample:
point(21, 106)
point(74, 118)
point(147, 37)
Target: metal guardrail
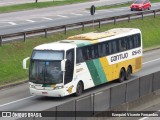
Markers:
point(83, 23)
point(105, 100)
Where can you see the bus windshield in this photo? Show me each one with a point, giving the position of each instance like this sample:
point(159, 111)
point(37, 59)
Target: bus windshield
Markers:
point(45, 67)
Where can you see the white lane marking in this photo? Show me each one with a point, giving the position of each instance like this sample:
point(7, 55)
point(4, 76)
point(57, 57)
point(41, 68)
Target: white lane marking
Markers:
point(34, 28)
point(12, 23)
point(85, 11)
point(151, 61)
point(30, 21)
point(109, 11)
point(121, 9)
point(16, 101)
point(62, 16)
point(46, 18)
point(76, 14)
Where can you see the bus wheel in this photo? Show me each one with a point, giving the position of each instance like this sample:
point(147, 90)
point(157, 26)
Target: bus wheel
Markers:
point(79, 89)
point(128, 73)
point(121, 75)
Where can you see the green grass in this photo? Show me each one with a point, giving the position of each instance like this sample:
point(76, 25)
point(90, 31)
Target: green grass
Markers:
point(12, 54)
point(34, 5)
point(121, 5)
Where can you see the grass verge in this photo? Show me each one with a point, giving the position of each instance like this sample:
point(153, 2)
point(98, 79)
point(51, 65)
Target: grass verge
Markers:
point(28, 6)
point(120, 5)
point(12, 54)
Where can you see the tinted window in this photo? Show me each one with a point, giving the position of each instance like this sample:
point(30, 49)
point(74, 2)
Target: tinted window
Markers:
point(69, 66)
point(122, 44)
point(129, 43)
point(80, 55)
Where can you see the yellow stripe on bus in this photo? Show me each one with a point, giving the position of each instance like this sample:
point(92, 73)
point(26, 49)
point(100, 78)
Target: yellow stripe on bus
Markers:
point(107, 68)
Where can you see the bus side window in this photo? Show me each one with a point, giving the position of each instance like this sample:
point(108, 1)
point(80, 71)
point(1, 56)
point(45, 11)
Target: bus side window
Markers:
point(89, 53)
point(108, 46)
point(96, 55)
point(129, 43)
point(136, 40)
point(84, 53)
point(122, 44)
point(101, 50)
point(79, 55)
point(114, 46)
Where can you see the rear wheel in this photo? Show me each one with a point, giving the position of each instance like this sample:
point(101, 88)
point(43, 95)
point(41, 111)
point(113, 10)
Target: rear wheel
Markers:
point(131, 9)
point(128, 73)
point(79, 89)
point(121, 75)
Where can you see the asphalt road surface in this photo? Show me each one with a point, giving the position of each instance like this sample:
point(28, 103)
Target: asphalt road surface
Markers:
point(24, 22)
point(15, 2)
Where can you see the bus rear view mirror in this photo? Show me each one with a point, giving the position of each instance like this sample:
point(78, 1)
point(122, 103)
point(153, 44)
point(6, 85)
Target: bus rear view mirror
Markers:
point(63, 65)
point(25, 63)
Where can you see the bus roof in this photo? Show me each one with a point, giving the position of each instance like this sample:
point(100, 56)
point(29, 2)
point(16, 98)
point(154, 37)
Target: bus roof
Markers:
point(99, 35)
point(55, 46)
point(87, 39)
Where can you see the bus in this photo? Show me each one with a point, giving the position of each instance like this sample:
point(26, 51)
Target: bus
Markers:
point(83, 61)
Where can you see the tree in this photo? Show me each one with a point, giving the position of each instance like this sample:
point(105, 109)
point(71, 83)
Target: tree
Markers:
point(36, 1)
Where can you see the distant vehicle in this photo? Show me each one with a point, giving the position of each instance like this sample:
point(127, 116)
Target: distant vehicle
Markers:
point(141, 5)
point(83, 61)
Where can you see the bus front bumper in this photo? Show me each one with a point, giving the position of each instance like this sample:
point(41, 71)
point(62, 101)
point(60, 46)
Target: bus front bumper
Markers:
point(50, 93)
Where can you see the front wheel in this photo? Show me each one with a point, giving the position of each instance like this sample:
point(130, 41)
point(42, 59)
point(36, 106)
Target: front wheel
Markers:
point(121, 75)
point(79, 89)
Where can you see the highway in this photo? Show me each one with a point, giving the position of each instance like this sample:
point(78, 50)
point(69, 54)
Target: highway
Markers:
point(36, 22)
point(18, 98)
point(11, 2)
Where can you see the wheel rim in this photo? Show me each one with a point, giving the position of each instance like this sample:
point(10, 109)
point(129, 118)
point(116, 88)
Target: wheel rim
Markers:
point(79, 89)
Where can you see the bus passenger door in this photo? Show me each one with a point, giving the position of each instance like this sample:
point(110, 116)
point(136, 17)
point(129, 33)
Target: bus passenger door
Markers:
point(69, 66)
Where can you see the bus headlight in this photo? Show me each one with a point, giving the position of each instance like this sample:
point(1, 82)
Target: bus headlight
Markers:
point(58, 87)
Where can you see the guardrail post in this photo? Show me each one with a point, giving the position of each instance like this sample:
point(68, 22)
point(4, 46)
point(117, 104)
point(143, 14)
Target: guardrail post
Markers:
point(45, 30)
point(0, 40)
point(114, 20)
point(154, 13)
point(129, 18)
point(82, 26)
point(65, 29)
point(93, 103)
point(99, 24)
point(142, 16)
point(24, 36)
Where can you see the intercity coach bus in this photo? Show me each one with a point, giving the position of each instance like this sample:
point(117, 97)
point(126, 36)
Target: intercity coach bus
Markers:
point(83, 61)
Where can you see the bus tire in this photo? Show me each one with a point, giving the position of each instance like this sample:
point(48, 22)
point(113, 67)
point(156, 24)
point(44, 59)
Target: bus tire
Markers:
point(121, 75)
point(79, 89)
point(128, 73)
